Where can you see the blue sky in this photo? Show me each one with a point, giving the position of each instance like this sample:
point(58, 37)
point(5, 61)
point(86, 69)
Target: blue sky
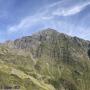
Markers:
point(23, 17)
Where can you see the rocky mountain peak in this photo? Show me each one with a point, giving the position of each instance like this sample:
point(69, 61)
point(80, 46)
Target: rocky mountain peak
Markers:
point(45, 33)
point(54, 58)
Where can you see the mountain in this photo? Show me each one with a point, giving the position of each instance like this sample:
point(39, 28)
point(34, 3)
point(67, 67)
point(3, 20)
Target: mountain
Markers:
point(47, 60)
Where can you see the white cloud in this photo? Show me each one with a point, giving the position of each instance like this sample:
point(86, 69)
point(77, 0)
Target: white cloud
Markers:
point(47, 17)
point(47, 13)
point(32, 20)
point(28, 22)
point(71, 10)
point(25, 23)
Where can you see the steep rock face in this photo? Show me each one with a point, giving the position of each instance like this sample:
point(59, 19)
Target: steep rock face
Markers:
point(56, 46)
point(52, 43)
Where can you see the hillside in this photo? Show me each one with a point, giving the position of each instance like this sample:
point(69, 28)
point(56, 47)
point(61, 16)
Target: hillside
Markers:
point(47, 60)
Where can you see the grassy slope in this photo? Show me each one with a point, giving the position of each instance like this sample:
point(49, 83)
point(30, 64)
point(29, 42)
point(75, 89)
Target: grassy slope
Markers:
point(46, 74)
point(14, 66)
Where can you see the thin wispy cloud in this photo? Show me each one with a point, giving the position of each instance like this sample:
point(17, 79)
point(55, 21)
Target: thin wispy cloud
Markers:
point(47, 14)
point(24, 24)
point(71, 10)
